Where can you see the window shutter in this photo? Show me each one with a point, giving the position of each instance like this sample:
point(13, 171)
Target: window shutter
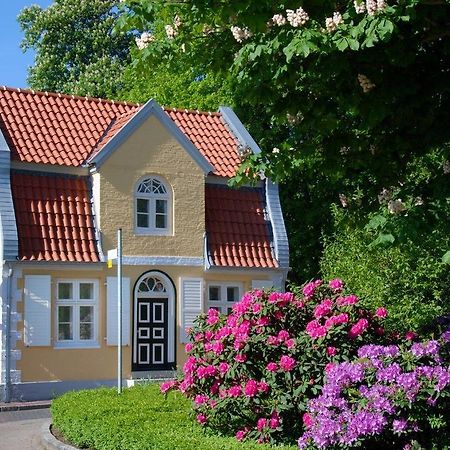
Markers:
point(112, 310)
point(191, 304)
point(37, 315)
point(262, 284)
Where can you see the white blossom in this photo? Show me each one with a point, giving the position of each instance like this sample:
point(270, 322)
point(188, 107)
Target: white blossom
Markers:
point(344, 200)
point(344, 150)
point(279, 19)
point(365, 83)
point(384, 196)
point(373, 6)
point(170, 31)
point(396, 206)
point(360, 6)
point(446, 166)
point(381, 4)
point(331, 23)
point(418, 201)
point(144, 40)
point(240, 34)
point(275, 150)
point(298, 17)
point(177, 21)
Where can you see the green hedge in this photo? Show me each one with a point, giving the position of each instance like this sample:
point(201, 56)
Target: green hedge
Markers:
point(140, 419)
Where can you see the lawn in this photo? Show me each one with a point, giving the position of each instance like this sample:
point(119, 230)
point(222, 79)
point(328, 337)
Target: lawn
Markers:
point(140, 419)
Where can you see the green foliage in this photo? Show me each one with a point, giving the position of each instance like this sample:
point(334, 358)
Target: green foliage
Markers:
point(140, 419)
point(76, 50)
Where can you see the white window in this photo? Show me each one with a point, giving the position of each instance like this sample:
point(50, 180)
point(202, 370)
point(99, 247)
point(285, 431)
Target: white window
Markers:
point(76, 313)
point(153, 207)
point(222, 296)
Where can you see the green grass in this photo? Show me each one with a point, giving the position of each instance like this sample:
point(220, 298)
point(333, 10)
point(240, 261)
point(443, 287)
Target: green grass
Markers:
point(140, 419)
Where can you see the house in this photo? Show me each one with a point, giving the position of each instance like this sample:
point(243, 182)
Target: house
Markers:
point(73, 171)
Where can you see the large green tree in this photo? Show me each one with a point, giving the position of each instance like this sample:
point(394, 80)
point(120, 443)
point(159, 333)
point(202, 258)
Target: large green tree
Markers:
point(350, 101)
point(76, 49)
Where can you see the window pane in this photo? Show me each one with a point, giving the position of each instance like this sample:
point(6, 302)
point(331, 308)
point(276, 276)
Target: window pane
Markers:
point(142, 220)
point(232, 294)
point(214, 293)
point(86, 291)
point(161, 221)
point(86, 331)
point(65, 291)
point(217, 308)
point(65, 323)
point(86, 313)
point(230, 310)
point(142, 205)
point(161, 206)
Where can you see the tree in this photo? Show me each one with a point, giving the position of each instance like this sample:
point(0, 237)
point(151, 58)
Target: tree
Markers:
point(76, 49)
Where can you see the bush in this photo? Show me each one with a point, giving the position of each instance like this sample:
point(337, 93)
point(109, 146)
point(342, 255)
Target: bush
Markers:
point(391, 397)
point(139, 419)
point(252, 372)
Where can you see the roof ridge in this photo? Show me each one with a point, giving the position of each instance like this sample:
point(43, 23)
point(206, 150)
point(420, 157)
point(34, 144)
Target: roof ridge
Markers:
point(191, 111)
point(68, 96)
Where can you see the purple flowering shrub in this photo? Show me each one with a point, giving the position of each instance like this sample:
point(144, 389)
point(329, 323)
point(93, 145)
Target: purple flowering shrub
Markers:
point(252, 372)
point(392, 397)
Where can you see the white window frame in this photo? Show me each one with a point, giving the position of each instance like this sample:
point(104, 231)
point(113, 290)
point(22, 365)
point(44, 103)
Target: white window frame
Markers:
point(152, 198)
point(76, 303)
point(223, 303)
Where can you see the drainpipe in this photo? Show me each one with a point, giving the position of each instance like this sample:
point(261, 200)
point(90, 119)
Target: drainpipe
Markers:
point(9, 273)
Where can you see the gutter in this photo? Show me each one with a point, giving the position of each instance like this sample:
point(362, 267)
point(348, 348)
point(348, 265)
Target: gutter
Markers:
point(9, 273)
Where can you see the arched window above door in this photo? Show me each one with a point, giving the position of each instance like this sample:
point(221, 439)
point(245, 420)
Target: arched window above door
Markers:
point(152, 284)
point(153, 206)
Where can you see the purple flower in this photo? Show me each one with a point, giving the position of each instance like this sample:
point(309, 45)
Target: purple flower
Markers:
point(399, 426)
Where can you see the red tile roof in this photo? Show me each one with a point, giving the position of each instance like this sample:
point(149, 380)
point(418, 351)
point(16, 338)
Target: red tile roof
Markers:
point(54, 218)
point(64, 130)
point(238, 233)
point(208, 133)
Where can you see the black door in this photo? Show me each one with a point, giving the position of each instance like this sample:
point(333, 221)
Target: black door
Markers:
point(151, 334)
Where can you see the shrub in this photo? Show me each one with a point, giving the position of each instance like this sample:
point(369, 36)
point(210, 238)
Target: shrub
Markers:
point(138, 419)
point(252, 372)
point(390, 397)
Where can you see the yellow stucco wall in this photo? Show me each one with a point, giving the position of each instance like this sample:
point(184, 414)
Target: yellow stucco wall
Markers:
point(49, 363)
point(151, 150)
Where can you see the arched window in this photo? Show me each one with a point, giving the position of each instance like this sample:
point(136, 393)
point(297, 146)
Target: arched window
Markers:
point(153, 207)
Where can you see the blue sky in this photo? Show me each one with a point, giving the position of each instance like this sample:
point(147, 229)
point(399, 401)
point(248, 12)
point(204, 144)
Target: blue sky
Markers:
point(13, 62)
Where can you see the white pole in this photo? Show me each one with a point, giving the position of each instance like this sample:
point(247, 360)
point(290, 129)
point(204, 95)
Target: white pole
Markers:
point(119, 310)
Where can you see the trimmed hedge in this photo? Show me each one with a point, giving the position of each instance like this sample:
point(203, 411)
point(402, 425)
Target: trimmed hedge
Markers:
point(140, 419)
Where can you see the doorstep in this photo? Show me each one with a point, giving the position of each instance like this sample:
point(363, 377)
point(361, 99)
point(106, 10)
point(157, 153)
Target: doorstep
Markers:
point(22, 406)
point(150, 376)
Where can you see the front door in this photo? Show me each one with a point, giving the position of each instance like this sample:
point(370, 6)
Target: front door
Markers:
point(152, 334)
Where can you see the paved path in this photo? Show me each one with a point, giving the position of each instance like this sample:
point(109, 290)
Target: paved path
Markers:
point(20, 430)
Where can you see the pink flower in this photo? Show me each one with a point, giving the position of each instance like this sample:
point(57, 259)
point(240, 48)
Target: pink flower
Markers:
point(323, 309)
point(201, 419)
point(272, 367)
point(263, 321)
point(212, 320)
point(278, 315)
point(379, 331)
point(240, 358)
point(190, 365)
point(331, 351)
point(198, 337)
point(261, 424)
point(240, 435)
point(381, 312)
point(328, 367)
point(223, 368)
point(358, 328)
point(307, 420)
point(251, 388)
point(200, 399)
point(272, 340)
point(188, 347)
point(167, 386)
point(204, 372)
point(309, 289)
point(223, 332)
point(315, 330)
point(290, 343)
point(217, 347)
point(287, 363)
point(234, 391)
point(274, 421)
point(256, 308)
point(347, 301)
point(336, 284)
point(263, 387)
point(339, 319)
point(283, 335)
point(209, 335)
point(410, 335)
point(215, 388)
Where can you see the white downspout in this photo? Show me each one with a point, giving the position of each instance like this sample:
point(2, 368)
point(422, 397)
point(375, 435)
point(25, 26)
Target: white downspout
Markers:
point(9, 273)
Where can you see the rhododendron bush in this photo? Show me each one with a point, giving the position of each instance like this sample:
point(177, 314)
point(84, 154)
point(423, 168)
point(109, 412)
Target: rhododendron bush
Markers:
point(252, 372)
point(394, 396)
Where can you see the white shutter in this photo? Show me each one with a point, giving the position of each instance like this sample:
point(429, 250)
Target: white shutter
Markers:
point(112, 311)
point(191, 303)
point(262, 284)
point(37, 316)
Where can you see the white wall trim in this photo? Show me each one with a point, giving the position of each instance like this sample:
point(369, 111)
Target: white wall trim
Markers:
point(162, 261)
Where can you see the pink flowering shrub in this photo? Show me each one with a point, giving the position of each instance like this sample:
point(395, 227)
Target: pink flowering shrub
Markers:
point(251, 373)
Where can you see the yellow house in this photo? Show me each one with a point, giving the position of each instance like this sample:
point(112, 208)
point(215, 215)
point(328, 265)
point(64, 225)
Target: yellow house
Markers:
point(74, 170)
